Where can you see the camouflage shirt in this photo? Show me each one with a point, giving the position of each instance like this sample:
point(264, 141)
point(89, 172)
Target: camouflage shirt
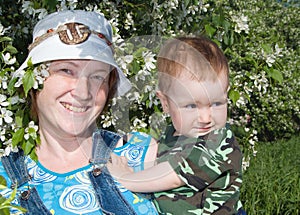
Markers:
point(210, 166)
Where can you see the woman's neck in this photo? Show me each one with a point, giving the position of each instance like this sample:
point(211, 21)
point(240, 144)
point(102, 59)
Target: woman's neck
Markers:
point(63, 154)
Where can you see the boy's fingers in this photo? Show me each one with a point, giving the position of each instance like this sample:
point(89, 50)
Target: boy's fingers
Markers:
point(115, 159)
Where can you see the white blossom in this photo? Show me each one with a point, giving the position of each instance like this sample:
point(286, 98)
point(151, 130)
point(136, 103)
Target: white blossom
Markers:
point(40, 72)
point(3, 82)
point(42, 13)
point(20, 76)
point(138, 123)
point(27, 6)
point(141, 75)
point(124, 61)
point(28, 133)
point(129, 21)
point(3, 100)
point(241, 24)
point(8, 59)
point(107, 121)
point(6, 116)
point(205, 8)
point(149, 60)
point(3, 30)
point(270, 59)
point(2, 134)
point(68, 4)
point(9, 149)
point(16, 99)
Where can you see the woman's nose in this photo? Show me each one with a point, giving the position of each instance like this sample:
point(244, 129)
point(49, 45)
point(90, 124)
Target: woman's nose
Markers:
point(81, 89)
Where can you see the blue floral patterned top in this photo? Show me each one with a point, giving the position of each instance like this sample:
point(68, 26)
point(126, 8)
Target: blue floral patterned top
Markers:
point(72, 192)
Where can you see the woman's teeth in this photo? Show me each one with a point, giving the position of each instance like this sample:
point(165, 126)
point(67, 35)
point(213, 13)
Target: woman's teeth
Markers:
point(74, 109)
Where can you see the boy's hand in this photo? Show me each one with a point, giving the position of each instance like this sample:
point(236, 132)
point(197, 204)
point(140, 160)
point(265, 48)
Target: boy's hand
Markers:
point(118, 166)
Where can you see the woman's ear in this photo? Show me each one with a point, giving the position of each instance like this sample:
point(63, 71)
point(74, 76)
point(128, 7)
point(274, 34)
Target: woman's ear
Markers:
point(163, 100)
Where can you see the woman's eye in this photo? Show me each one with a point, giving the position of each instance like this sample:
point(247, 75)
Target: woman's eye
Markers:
point(98, 77)
point(66, 71)
point(190, 106)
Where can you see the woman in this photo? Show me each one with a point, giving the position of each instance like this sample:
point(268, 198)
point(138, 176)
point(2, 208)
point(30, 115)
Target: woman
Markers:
point(70, 175)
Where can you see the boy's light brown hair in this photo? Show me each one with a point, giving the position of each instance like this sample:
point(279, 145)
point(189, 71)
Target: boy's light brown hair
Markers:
point(200, 56)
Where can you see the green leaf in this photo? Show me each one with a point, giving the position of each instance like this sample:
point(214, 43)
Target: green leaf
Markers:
point(18, 137)
point(11, 49)
point(2, 181)
point(135, 66)
point(28, 81)
point(28, 146)
point(19, 118)
point(6, 204)
point(33, 155)
point(4, 210)
point(210, 30)
point(275, 74)
point(233, 95)
point(32, 133)
point(11, 197)
point(51, 4)
point(226, 25)
point(5, 39)
point(29, 63)
point(226, 39)
point(267, 48)
point(11, 86)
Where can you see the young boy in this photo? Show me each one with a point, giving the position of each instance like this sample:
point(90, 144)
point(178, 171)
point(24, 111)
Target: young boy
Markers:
point(198, 168)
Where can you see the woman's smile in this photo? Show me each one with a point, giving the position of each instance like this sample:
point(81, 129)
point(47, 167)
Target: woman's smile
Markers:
point(73, 108)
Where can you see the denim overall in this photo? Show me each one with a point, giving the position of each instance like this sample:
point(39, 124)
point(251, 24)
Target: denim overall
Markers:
point(108, 195)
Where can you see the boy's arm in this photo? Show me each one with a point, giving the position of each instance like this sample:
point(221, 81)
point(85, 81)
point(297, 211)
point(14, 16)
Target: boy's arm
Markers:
point(157, 178)
point(151, 153)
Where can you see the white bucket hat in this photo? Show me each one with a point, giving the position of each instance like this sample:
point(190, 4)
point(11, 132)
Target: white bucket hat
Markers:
point(75, 34)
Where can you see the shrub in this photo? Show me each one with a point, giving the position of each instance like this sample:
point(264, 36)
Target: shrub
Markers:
point(260, 39)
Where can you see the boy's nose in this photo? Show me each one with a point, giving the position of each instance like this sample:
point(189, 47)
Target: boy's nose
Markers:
point(204, 115)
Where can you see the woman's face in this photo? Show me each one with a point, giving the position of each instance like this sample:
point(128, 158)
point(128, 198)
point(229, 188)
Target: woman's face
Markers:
point(73, 96)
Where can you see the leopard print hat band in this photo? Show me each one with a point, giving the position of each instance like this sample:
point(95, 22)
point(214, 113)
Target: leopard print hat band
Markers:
point(74, 34)
point(70, 34)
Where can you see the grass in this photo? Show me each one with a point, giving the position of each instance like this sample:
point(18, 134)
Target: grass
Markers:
point(271, 185)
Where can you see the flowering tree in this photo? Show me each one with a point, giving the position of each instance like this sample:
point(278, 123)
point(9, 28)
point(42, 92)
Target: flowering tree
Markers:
point(262, 49)
point(259, 37)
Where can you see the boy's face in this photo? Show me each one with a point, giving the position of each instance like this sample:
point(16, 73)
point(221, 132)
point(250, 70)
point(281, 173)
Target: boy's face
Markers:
point(196, 108)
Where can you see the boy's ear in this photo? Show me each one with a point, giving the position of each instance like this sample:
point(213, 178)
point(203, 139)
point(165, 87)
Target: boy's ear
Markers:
point(163, 100)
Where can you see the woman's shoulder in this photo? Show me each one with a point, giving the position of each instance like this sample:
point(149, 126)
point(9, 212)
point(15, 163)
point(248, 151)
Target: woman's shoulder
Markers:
point(138, 148)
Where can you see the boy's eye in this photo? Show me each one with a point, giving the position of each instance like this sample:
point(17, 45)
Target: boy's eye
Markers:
point(217, 104)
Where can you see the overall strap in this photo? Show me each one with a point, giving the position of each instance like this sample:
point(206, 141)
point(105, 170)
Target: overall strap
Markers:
point(108, 195)
point(14, 165)
point(31, 201)
point(104, 143)
point(16, 169)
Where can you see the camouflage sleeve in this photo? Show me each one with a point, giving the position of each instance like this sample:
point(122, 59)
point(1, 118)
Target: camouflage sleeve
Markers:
point(215, 163)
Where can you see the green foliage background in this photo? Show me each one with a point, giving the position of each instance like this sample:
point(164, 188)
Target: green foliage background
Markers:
point(263, 57)
point(260, 38)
